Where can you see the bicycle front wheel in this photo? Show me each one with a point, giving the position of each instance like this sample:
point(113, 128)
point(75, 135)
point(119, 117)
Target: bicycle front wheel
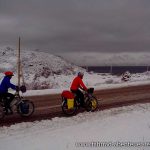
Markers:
point(25, 108)
point(91, 104)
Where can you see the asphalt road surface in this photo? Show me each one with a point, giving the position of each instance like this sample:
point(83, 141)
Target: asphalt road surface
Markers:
point(49, 106)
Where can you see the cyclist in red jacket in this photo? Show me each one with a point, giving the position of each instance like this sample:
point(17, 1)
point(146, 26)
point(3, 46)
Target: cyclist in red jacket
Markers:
point(76, 85)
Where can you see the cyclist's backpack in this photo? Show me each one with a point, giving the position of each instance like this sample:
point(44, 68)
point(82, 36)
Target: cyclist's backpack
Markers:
point(24, 108)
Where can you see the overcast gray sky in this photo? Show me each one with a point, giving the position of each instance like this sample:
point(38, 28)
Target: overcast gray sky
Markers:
point(76, 25)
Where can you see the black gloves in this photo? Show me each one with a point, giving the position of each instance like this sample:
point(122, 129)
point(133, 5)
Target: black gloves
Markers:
point(23, 89)
point(17, 88)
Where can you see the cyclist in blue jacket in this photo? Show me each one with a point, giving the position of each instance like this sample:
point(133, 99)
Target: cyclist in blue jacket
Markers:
point(4, 86)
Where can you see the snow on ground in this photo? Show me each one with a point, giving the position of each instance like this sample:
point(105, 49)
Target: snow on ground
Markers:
point(98, 81)
point(45, 71)
point(124, 124)
point(115, 126)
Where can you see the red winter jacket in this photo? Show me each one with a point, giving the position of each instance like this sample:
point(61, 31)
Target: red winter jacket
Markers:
point(78, 83)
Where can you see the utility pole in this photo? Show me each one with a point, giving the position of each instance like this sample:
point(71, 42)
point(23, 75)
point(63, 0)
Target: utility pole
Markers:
point(111, 69)
point(87, 68)
point(18, 63)
point(147, 68)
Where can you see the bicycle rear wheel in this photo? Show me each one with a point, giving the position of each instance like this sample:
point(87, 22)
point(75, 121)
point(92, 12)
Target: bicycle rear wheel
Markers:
point(66, 111)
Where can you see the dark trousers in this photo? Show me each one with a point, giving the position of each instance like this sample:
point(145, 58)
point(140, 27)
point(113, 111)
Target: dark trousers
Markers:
point(79, 96)
point(7, 99)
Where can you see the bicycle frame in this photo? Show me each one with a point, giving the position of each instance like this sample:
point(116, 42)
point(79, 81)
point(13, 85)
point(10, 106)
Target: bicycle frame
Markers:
point(90, 102)
point(17, 100)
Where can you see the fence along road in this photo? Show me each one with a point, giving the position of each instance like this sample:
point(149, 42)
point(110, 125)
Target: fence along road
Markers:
point(49, 106)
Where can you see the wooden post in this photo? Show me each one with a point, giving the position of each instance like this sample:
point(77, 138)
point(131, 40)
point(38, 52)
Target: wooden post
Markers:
point(18, 63)
point(147, 68)
point(111, 69)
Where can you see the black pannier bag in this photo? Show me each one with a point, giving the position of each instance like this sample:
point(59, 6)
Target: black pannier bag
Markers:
point(23, 89)
point(90, 90)
point(24, 108)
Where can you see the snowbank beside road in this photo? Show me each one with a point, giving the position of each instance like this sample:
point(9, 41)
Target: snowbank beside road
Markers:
point(124, 124)
point(97, 82)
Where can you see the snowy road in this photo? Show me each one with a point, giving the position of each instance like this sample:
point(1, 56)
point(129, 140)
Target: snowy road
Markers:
point(117, 125)
point(48, 106)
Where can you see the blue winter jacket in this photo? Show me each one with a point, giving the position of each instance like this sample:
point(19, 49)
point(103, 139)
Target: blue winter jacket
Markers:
point(5, 85)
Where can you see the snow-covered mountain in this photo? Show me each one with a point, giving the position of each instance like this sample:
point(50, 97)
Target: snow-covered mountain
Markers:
point(40, 69)
point(108, 59)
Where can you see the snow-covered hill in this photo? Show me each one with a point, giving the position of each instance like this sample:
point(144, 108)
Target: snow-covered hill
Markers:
point(40, 69)
point(108, 59)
